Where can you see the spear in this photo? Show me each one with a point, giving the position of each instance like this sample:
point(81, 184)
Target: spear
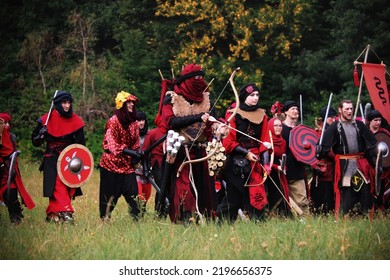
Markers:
point(51, 108)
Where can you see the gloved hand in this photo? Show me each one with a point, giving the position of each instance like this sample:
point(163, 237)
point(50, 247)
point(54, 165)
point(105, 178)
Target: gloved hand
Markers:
point(136, 156)
point(319, 154)
point(265, 157)
point(41, 133)
point(318, 169)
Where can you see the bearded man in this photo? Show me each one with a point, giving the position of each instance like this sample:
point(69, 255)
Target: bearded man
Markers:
point(354, 147)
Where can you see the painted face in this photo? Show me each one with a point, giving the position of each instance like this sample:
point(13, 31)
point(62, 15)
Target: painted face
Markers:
point(130, 106)
point(252, 99)
point(346, 112)
point(278, 127)
point(66, 105)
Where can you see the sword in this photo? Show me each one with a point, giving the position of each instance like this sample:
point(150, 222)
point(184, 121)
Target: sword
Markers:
point(378, 172)
point(155, 144)
point(145, 165)
point(324, 121)
point(300, 109)
point(283, 163)
point(13, 157)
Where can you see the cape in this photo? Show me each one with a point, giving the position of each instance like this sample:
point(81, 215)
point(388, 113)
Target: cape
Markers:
point(58, 126)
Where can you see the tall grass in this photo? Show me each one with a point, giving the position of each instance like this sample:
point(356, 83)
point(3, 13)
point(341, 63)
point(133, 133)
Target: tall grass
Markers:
point(318, 238)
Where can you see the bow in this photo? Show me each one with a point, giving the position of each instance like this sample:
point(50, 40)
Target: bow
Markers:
point(295, 209)
point(235, 94)
point(189, 161)
point(271, 162)
point(197, 160)
point(265, 173)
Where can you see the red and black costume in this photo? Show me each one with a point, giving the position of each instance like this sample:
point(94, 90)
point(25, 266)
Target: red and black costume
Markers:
point(156, 155)
point(321, 188)
point(277, 198)
point(144, 186)
point(58, 129)
point(347, 193)
point(182, 110)
point(10, 198)
point(121, 145)
point(247, 194)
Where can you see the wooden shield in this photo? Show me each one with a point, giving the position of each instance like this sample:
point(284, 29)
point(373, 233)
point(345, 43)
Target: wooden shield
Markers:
point(384, 141)
point(303, 141)
point(75, 165)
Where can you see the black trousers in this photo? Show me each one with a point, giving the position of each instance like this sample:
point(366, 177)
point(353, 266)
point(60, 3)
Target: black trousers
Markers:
point(350, 197)
point(322, 195)
point(113, 186)
point(234, 200)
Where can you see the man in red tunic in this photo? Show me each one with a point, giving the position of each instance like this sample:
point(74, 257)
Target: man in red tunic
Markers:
point(10, 196)
point(59, 129)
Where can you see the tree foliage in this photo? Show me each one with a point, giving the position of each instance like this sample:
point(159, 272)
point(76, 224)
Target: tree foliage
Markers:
point(95, 49)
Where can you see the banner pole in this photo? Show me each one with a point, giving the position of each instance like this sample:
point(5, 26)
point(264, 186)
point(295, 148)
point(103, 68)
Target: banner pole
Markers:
point(361, 82)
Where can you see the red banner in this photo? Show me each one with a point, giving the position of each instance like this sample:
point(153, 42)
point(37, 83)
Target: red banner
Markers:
point(374, 76)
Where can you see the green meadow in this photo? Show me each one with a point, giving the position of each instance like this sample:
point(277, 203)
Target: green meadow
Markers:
point(315, 238)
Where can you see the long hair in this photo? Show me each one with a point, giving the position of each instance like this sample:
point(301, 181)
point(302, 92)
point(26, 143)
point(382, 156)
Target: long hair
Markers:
point(124, 116)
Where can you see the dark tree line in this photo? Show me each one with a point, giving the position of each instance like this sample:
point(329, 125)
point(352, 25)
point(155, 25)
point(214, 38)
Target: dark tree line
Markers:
point(96, 48)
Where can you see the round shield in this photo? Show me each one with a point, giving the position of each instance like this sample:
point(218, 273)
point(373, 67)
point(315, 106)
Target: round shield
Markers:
point(303, 141)
point(75, 165)
point(384, 144)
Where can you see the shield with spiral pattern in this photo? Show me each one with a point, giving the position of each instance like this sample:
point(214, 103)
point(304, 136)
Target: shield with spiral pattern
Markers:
point(303, 141)
point(75, 165)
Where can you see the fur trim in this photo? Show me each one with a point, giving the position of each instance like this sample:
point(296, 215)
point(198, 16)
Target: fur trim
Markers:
point(255, 117)
point(181, 108)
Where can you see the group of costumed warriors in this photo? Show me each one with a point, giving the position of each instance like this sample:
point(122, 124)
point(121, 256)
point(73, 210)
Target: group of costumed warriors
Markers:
point(261, 161)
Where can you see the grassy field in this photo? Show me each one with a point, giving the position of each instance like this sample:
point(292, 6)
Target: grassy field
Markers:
point(318, 238)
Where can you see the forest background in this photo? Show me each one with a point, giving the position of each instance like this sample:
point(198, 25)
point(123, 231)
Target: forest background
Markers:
point(96, 48)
